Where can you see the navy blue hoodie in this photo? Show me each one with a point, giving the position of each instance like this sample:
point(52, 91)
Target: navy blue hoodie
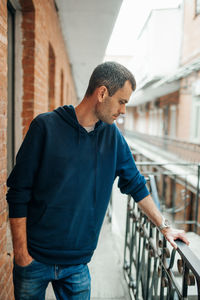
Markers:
point(62, 183)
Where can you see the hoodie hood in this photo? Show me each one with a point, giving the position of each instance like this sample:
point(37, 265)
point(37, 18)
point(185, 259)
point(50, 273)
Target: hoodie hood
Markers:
point(68, 114)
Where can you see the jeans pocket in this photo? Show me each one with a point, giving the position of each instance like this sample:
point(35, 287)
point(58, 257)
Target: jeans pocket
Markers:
point(23, 267)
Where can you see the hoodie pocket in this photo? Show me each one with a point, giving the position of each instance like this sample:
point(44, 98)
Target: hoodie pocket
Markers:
point(64, 228)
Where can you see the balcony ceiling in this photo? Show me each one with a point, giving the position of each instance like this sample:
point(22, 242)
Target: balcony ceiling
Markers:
point(87, 26)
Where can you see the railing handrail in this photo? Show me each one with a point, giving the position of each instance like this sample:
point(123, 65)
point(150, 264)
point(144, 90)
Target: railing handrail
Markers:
point(182, 150)
point(162, 138)
point(160, 164)
point(188, 255)
point(145, 253)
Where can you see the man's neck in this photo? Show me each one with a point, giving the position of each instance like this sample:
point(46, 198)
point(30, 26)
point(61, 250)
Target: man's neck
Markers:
point(85, 113)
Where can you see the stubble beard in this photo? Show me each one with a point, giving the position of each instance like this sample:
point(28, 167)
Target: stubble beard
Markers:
point(103, 115)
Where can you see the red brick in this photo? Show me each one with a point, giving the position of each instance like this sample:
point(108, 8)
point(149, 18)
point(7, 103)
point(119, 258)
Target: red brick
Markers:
point(27, 6)
point(3, 230)
point(3, 216)
point(3, 292)
point(28, 114)
point(3, 165)
point(3, 245)
point(3, 205)
point(3, 188)
point(3, 121)
point(3, 108)
point(3, 151)
point(29, 35)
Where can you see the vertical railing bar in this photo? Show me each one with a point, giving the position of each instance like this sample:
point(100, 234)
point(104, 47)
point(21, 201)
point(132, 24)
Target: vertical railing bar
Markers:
point(185, 280)
point(173, 195)
point(163, 270)
point(138, 266)
point(132, 242)
point(198, 288)
point(131, 249)
point(148, 265)
point(156, 275)
point(126, 233)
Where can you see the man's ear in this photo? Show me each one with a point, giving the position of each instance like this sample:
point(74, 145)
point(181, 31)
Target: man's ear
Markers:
point(102, 93)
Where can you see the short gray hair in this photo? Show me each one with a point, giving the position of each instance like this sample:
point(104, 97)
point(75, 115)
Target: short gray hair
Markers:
point(112, 75)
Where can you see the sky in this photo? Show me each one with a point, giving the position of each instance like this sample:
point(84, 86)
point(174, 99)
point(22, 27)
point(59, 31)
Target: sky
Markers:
point(130, 21)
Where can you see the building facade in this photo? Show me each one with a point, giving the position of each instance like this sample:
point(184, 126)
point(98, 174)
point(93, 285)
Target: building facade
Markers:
point(164, 113)
point(167, 99)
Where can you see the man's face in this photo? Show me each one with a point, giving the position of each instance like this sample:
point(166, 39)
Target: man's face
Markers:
point(111, 107)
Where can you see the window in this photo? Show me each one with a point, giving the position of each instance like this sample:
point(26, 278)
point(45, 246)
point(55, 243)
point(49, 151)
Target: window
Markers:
point(197, 7)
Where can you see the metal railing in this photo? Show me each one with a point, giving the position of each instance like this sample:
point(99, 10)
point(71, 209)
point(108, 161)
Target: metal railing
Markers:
point(182, 149)
point(150, 262)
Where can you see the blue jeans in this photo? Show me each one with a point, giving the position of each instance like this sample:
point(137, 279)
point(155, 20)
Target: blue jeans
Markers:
point(69, 282)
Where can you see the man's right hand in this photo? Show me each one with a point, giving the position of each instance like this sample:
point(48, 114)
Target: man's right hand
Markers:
point(23, 260)
point(19, 236)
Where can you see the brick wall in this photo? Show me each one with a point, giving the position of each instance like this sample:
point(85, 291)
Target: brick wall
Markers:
point(190, 52)
point(40, 31)
point(41, 35)
point(6, 291)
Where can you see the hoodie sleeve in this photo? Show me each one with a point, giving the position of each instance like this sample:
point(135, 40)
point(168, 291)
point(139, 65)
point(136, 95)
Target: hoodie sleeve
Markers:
point(21, 179)
point(130, 180)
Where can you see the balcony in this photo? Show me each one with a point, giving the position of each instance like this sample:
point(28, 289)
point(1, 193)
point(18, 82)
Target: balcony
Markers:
point(182, 150)
point(153, 269)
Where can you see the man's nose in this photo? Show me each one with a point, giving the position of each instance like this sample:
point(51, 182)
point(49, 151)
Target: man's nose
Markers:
point(123, 109)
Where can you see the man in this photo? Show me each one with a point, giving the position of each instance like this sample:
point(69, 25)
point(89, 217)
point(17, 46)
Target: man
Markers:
point(61, 184)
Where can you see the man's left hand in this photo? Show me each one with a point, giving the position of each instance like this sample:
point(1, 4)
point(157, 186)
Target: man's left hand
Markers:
point(172, 234)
